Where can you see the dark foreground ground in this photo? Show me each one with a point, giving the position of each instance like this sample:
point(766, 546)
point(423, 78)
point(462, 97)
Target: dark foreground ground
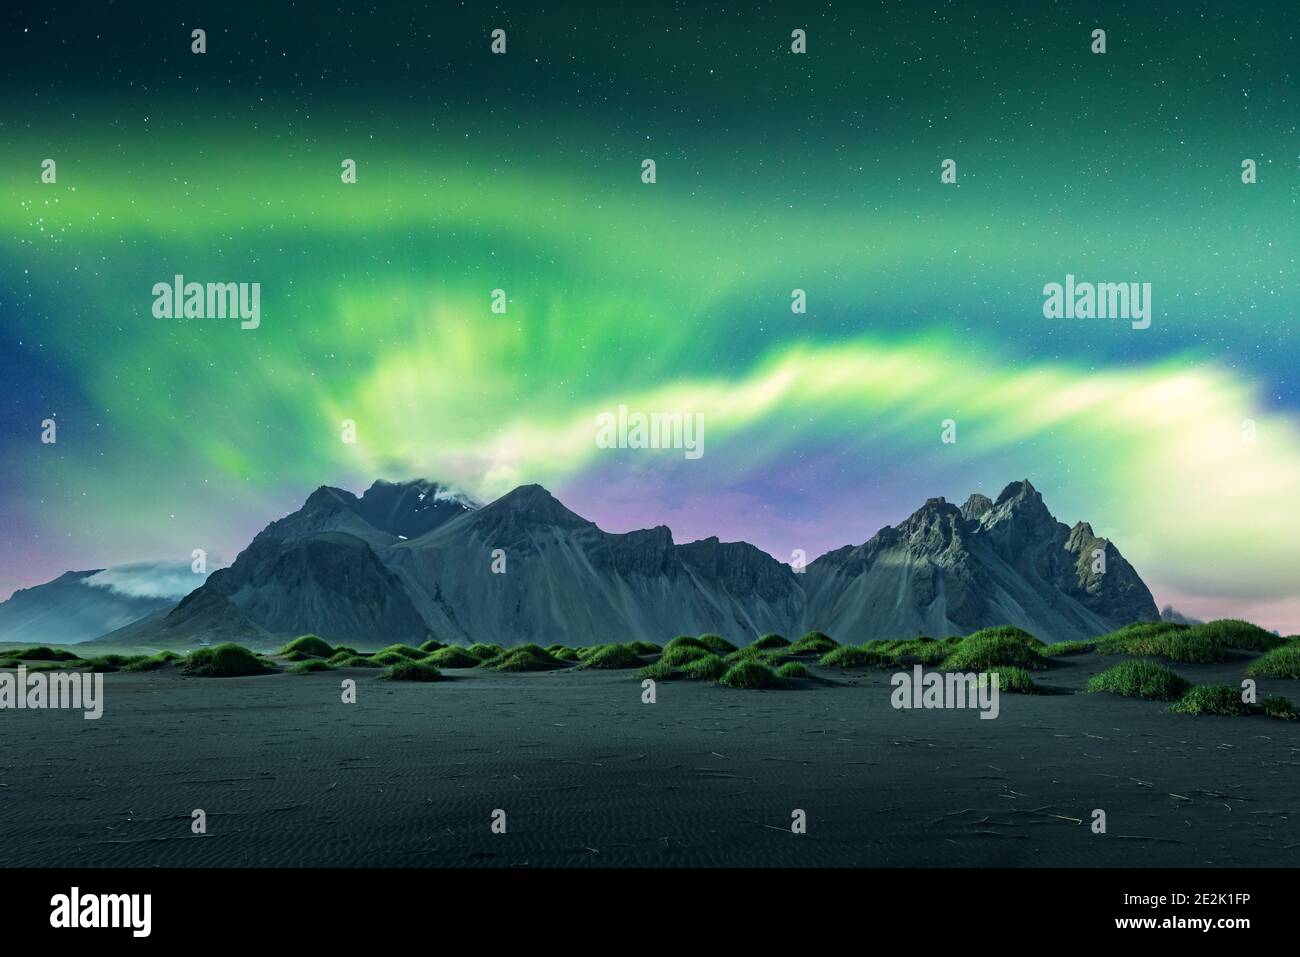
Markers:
point(590, 776)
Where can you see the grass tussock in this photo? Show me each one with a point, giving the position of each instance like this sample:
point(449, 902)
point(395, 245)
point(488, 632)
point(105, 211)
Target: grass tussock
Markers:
point(41, 653)
point(1213, 699)
point(1063, 648)
point(223, 661)
point(657, 672)
point(105, 664)
point(152, 662)
point(772, 656)
point(452, 656)
point(613, 657)
point(524, 658)
point(1140, 679)
point(923, 650)
point(793, 669)
point(683, 655)
point(1238, 635)
point(814, 643)
point(1281, 662)
point(1275, 706)
point(361, 661)
point(309, 666)
point(408, 670)
point(312, 645)
point(992, 648)
point(1163, 639)
point(685, 641)
point(851, 656)
point(387, 658)
point(486, 652)
point(430, 646)
point(1011, 680)
point(770, 642)
point(717, 644)
point(709, 667)
point(406, 651)
point(752, 675)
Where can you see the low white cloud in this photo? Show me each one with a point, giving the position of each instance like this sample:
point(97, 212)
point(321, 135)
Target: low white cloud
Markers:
point(151, 579)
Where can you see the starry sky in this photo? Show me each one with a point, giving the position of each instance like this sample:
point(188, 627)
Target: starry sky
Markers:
point(775, 171)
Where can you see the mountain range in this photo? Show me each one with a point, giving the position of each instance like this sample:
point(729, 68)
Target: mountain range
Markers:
point(408, 561)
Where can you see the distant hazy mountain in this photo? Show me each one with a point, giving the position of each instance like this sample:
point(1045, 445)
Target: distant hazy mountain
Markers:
point(411, 560)
point(1170, 613)
point(81, 605)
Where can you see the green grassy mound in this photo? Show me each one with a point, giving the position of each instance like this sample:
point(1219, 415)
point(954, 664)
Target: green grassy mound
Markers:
point(925, 650)
point(1238, 635)
point(709, 667)
point(41, 653)
point(814, 643)
point(850, 656)
point(406, 651)
point(307, 645)
point(1011, 680)
point(104, 664)
point(361, 661)
point(717, 644)
point(1212, 699)
point(749, 674)
point(1010, 632)
point(430, 646)
point(408, 670)
point(644, 647)
point(223, 661)
point(486, 652)
point(794, 669)
point(612, 657)
point(452, 656)
point(524, 658)
point(387, 658)
point(152, 662)
point(1163, 639)
point(769, 656)
point(1063, 648)
point(685, 641)
point(563, 653)
point(770, 642)
point(309, 666)
point(996, 647)
point(683, 654)
point(1281, 662)
point(1140, 679)
point(658, 671)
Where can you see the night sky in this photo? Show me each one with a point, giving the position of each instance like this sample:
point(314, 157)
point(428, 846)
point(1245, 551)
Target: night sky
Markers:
point(775, 171)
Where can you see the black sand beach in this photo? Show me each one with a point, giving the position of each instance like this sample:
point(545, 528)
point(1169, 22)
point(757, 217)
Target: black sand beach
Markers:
point(589, 776)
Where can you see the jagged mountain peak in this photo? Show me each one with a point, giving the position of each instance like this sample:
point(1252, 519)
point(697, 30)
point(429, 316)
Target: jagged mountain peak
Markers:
point(1022, 489)
point(976, 506)
point(327, 496)
point(532, 503)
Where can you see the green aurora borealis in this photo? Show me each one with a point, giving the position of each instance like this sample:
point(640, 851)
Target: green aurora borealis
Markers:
point(775, 172)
